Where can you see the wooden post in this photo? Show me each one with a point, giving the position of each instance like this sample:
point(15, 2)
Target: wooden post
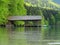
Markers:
point(9, 24)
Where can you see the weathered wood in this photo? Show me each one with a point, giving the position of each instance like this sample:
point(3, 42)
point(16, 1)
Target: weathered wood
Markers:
point(12, 18)
point(35, 19)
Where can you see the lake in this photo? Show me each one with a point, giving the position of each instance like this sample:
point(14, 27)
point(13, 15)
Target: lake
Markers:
point(49, 35)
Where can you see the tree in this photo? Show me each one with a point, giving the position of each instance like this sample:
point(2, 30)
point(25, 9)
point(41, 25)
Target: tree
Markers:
point(3, 11)
point(16, 7)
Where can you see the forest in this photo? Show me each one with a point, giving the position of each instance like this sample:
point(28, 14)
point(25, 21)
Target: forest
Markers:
point(50, 12)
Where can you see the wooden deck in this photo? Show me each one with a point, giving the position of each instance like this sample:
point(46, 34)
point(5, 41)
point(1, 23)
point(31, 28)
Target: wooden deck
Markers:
point(14, 18)
point(35, 19)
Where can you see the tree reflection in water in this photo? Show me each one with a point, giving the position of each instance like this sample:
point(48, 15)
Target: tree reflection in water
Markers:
point(29, 35)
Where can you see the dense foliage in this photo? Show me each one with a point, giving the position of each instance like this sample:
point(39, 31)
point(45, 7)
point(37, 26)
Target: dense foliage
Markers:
point(49, 10)
point(16, 7)
point(10, 8)
point(44, 4)
point(3, 11)
point(49, 15)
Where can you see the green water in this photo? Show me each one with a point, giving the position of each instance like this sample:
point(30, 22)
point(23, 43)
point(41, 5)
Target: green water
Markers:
point(29, 35)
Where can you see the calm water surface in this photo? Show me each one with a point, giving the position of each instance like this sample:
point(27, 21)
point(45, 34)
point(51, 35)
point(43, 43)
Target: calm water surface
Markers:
point(30, 35)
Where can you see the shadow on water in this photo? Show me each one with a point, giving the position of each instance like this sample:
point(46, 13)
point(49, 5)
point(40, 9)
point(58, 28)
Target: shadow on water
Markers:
point(29, 35)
